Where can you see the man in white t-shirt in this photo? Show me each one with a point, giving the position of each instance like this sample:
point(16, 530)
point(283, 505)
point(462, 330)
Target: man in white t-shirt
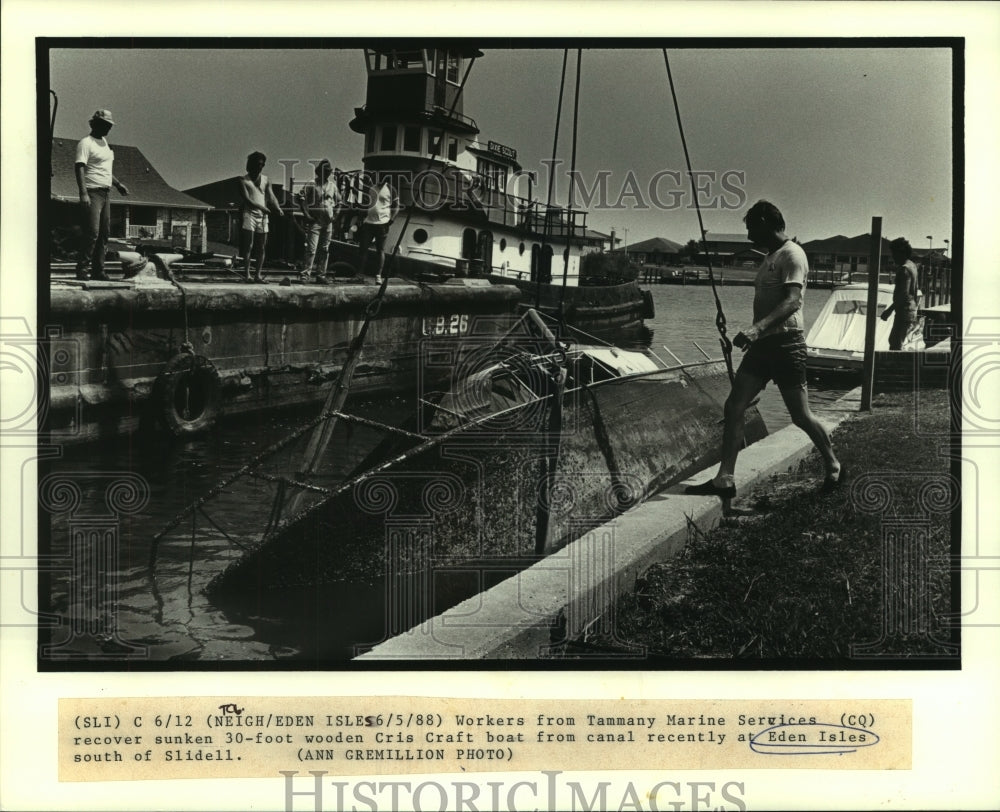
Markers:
point(382, 211)
point(94, 178)
point(775, 350)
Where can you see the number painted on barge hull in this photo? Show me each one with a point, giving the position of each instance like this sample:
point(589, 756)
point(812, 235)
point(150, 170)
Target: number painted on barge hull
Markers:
point(451, 325)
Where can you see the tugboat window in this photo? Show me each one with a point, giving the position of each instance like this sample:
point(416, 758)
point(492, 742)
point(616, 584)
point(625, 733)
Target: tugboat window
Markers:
point(520, 248)
point(503, 244)
point(434, 145)
point(388, 143)
point(405, 60)
point(453, 64)
point(420, 236)
point(452, 149)
point(411, 139)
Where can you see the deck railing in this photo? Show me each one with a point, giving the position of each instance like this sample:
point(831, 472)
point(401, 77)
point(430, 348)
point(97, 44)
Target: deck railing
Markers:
point(460, 190)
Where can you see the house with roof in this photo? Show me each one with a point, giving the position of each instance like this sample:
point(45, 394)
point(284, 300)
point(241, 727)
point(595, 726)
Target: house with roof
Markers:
point(153, 209)
point(654, 251)
point(728, 249)
point(842, 254)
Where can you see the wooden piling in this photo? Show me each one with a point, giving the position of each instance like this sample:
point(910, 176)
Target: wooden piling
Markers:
point(874, 260)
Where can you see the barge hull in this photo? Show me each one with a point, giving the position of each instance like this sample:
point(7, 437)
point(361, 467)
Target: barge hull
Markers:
point(270, 345)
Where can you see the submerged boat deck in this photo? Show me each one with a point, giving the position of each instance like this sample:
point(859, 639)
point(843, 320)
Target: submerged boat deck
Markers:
point(532, 612)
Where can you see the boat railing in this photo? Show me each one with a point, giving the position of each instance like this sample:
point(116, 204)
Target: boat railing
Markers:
point(448, 188)
point(438, 111)
point(455, 115)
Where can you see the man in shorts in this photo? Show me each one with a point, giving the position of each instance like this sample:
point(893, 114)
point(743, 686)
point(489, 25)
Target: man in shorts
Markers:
point(382, 211)
point(257, 196)
point(775, 350)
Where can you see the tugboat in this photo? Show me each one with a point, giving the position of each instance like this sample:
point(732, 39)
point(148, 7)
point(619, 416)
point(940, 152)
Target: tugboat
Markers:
point(471, 207)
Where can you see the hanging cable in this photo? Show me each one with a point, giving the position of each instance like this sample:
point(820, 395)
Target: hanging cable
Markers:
point(570, 216)
point(720, 316)
point(546, 227)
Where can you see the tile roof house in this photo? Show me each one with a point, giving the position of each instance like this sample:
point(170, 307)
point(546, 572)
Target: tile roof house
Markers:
point(153, 209)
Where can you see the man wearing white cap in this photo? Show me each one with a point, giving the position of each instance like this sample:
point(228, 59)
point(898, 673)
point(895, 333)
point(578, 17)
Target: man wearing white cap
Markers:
point(94, 159)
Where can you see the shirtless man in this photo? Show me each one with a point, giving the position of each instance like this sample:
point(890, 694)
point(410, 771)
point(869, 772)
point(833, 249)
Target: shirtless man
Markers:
point(257, 195)
point(904, 294)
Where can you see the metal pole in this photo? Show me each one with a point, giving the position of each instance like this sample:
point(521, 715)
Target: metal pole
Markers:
point(874, 259)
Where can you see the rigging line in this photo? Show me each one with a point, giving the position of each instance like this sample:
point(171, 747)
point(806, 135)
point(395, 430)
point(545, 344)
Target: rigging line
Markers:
point(215, 524)
point(720, 318)
point(272, 449)
point(276, 507)
point(434, 156)
point(552, 179)
point(570, 215)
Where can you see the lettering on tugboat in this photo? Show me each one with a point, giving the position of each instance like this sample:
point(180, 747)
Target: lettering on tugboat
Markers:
point(447, 325)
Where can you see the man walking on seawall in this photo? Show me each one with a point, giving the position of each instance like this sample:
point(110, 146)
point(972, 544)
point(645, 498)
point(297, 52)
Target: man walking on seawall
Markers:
point(775, 350)
point(904, 294)
point(94, 178)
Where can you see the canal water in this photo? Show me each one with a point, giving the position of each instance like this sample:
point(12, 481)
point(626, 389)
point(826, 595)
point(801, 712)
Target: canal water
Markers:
point(162, 613)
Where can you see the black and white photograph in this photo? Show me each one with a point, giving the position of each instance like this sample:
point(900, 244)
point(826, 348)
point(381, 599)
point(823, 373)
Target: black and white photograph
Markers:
point(393, 359)
point(473, 373)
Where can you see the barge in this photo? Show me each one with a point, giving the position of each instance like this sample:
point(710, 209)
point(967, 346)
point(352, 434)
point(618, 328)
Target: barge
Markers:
point(149, 351)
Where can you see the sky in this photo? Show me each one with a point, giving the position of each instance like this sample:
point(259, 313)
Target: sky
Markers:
point(833, 136)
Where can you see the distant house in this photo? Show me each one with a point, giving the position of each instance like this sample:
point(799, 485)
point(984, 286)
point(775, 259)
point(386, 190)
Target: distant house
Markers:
point(850, 254)
point(728, 249)
point(153, 209)
point(654, 251)
point(596, 241)
point(842, 254)
point(225, 218)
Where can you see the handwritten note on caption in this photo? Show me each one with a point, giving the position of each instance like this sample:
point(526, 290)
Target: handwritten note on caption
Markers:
point(131, 739)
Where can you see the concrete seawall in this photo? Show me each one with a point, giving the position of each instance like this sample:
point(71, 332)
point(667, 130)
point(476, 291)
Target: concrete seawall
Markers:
point(559, 597)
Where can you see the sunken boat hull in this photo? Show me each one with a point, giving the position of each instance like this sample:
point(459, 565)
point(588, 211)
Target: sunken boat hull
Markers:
point(503, 490)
